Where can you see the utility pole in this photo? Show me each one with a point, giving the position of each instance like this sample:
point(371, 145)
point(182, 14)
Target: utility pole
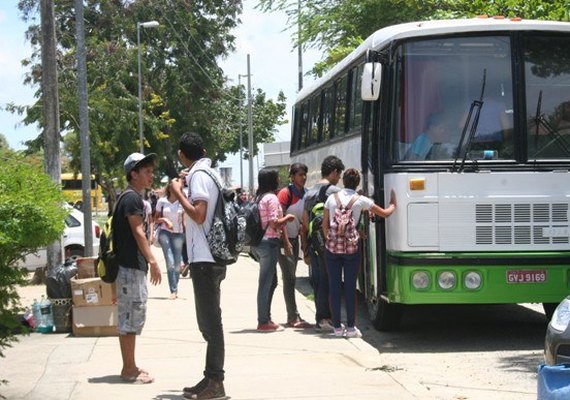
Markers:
point(250, 128)
point(84, 128)
point(51, 111)
point(240, 135)
point(299, 47)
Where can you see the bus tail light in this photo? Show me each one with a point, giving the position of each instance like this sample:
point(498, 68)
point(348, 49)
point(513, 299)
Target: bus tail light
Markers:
point(472, 280)
point(420, 280)
point(446, 280)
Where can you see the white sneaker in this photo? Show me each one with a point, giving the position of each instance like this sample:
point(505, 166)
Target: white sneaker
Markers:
point(353, 332)
point(338, 332)
point(324, 325)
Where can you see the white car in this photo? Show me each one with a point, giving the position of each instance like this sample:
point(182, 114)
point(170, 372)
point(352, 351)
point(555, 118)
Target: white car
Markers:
point(73, 241)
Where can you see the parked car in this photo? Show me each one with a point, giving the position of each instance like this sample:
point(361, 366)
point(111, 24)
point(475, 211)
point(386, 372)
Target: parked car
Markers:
point(73, 240)
point(557, 341)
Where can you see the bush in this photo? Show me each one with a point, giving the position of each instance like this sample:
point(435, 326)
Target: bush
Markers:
point(32, 217)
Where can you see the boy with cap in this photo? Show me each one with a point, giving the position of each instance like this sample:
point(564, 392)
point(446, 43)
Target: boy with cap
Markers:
point(133, 252)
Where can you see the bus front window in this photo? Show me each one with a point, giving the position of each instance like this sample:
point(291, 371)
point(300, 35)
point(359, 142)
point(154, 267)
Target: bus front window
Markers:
point(437, 81)
point(547, 73)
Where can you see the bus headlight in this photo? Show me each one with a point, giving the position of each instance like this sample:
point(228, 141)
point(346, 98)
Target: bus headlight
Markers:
point(561, 316)
point(446, 280)
point(472, 280)
point(420, 280)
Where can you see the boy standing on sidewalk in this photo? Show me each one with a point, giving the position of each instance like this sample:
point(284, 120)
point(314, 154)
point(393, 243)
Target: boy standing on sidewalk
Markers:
point(207, 276)
point(133, 253)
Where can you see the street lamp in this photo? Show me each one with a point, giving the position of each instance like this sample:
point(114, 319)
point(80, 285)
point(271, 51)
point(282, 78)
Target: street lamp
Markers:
point(149, 24)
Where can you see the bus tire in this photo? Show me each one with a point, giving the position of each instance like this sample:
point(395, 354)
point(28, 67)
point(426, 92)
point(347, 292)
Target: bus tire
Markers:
point(385, 316)
point(549, 310)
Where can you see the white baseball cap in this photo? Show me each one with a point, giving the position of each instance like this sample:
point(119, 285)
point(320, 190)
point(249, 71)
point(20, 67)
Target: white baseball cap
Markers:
point(135, 159)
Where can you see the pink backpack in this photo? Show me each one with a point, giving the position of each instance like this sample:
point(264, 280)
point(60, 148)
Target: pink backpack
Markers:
point(343, 235)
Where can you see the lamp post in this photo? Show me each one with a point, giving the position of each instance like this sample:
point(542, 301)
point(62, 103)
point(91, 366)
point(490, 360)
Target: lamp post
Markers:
point(149, 24)
point(240, 135)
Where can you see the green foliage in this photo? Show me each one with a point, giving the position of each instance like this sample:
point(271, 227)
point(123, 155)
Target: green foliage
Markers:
point(32, 217)
point(337, 27)
point(183, 88)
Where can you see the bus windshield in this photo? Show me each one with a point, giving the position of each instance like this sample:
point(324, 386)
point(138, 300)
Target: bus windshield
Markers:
point(439, 80)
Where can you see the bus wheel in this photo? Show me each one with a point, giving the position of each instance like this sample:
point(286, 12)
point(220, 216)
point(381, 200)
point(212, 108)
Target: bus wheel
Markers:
point(549, 309)
point(384, 316)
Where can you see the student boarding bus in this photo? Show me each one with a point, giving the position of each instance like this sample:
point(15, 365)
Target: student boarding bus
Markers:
point(468, 121)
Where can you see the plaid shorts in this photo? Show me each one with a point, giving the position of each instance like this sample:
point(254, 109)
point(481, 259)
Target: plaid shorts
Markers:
point(132, 295)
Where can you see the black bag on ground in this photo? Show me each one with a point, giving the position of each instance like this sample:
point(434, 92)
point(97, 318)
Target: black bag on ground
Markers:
point(58, 285)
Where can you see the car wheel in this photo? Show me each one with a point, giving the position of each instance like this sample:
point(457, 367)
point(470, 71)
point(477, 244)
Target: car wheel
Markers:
point(74, 252)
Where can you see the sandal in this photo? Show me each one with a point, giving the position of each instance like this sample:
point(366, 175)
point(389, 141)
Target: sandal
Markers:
point(141, 379)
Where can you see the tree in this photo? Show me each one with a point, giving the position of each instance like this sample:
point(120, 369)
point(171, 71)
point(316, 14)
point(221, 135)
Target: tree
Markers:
point(183, 87)
point(32, 217)
point(338, 27)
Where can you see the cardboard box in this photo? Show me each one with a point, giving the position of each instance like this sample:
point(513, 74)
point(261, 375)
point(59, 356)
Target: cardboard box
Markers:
point(95, 321)
point(92, 292)
point(86, 267)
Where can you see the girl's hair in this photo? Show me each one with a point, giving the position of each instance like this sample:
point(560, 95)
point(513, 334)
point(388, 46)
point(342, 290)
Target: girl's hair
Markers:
point(168, 190)
point(351, 178)
point(267, 181)
point(297, 167)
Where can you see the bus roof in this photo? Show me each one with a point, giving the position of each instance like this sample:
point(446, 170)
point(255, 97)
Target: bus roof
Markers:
point(384, 36)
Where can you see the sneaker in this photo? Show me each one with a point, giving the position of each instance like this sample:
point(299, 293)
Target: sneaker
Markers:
point(196, 388)
point(299, 323)
point(324, 325)
point(353, 332)
point(214, 390)
point(269, 327)
point(338, 332)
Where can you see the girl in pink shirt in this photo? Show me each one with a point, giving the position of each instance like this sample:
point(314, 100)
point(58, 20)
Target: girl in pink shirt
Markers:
point(267, 252)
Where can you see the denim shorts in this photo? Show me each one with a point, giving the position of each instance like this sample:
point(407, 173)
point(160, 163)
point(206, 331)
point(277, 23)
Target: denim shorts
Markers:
point(132, 296)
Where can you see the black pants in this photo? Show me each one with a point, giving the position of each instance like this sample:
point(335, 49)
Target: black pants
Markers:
point(206, 279)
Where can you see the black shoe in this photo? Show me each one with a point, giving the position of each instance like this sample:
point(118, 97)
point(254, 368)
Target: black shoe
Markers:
point(196, 388)
point(214, 390)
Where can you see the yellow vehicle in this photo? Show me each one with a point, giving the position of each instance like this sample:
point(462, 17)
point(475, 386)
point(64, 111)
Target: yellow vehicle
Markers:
point(72, 188)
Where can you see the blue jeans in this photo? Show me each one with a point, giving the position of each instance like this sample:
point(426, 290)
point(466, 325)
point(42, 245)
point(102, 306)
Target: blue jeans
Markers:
point(320, 287)
point(267, 252)
point(288, 266)
point(172, 244)
point(336, 265)
point(206, 280)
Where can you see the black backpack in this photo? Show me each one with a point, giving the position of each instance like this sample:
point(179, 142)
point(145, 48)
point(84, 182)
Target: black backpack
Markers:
point(227, 234)
point(316, 236)
point(107, 261)
point(254, 231)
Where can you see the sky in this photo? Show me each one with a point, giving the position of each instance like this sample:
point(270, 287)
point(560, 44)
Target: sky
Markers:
point(273, 63)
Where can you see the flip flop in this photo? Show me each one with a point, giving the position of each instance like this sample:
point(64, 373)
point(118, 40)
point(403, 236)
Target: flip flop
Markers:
point(141, 379)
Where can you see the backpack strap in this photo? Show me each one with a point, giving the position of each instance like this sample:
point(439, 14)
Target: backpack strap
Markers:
point(352, 201)
point(337, 199)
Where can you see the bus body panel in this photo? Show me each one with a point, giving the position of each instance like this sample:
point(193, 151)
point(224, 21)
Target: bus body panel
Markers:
point(503, 211)
point(547, 280)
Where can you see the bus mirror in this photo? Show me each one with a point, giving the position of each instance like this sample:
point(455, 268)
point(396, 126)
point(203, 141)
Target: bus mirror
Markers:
point(371, 78)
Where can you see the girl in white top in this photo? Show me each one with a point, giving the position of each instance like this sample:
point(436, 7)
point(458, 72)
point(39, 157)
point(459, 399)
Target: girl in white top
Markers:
point(169, 216)
point(347, 263)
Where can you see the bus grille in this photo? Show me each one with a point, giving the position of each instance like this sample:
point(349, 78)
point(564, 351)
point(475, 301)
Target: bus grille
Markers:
point(524, 224)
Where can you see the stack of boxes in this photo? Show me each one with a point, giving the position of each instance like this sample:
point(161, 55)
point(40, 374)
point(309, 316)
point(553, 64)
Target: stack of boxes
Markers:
point(94, 302)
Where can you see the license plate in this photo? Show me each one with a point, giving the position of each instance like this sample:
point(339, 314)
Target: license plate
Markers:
point(526, 276)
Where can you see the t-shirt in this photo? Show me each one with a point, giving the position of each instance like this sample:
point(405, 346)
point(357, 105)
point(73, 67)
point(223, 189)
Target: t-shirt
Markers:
point(362, 203)
point(126, 247)
point(296, 203)
point(201, 187)
point(173, 211)
point(270, 209)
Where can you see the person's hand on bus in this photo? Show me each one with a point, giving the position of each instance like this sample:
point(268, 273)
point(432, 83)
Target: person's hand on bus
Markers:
point(393, 197)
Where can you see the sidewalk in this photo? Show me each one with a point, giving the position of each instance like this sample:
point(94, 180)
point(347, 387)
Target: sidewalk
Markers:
point(289, 364)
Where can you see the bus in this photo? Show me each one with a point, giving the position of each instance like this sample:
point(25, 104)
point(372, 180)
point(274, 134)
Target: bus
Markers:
point(482, 213)
point(72, 188)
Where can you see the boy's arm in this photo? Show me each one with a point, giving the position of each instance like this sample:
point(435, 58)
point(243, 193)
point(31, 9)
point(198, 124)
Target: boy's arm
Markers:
point(137, 228)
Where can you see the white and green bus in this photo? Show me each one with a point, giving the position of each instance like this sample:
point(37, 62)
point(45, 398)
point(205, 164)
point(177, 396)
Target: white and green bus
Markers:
point(468, 121)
